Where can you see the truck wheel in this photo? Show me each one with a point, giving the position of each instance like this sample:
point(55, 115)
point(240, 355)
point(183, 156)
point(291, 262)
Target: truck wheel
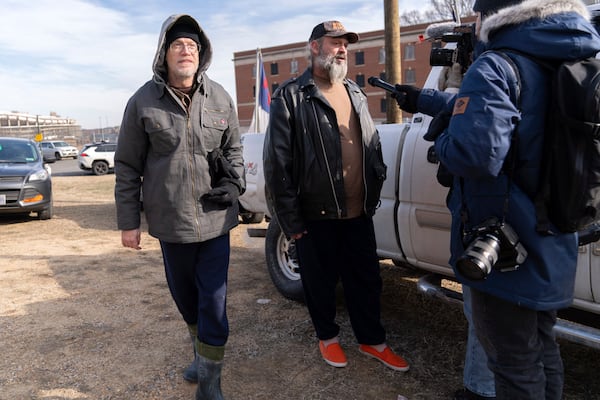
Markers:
point(57, 156)
point(251, 218)
point(282, 263)
point(100, 167)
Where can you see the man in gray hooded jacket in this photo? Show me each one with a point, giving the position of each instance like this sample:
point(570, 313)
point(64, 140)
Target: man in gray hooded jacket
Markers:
point(180, 142)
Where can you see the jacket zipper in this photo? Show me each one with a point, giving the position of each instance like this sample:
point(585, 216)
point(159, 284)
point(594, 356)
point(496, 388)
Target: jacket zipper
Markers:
point(189, 143)
point(337, 204)
point(192, 170)
point(364, 162)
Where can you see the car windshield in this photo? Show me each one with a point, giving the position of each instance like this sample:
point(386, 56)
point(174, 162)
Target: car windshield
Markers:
point(62, 144)
point(17, 152)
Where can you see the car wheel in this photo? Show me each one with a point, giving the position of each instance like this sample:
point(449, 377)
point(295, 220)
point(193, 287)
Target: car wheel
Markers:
point(46, 213)
point(57, 156)
point(100, 167)
point(282, 263)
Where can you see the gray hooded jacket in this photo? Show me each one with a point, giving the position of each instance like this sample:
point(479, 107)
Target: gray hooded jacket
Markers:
point(163, 149)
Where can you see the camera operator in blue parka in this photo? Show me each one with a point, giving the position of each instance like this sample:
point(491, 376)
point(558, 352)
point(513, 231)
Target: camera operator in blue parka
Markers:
point(513, 311)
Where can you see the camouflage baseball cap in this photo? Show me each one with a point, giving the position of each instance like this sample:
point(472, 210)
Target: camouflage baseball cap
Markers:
point(332, 29)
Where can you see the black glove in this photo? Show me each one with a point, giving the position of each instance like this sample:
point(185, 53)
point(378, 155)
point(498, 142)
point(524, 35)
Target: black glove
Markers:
point(219, 167)
point(407, 97)
point(225, 194)
point(437, 125)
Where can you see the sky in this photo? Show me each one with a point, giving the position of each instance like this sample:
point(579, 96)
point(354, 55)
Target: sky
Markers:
point(83, 59)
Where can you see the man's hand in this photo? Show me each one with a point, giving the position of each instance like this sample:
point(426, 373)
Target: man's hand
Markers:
point(226, 194)
point(131, 238)
point(296, 236)
point(407, 97)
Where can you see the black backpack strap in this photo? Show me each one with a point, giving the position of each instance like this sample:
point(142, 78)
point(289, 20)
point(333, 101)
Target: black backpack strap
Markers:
point(515, 94)
point(542, 196)
point(510, 163)
point(540, 200)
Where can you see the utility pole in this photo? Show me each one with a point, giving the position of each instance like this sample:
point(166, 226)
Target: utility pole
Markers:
point(393, 54)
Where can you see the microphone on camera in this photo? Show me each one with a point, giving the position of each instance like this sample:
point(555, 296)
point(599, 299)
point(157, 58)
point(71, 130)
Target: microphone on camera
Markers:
point(439, 29)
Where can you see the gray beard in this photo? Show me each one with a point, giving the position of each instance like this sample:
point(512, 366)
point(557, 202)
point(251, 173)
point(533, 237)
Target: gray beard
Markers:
point(337, 72)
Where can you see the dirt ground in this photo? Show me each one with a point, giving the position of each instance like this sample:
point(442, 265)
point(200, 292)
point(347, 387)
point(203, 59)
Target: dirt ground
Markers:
point(83, 318)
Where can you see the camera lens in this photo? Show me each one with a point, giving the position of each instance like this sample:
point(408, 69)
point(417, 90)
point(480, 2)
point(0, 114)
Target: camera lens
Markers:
point(479, 257)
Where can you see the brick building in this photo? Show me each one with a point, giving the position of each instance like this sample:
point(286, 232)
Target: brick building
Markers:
point(365, 59)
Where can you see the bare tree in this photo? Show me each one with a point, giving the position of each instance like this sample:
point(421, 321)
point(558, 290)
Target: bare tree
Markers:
point(439, 10)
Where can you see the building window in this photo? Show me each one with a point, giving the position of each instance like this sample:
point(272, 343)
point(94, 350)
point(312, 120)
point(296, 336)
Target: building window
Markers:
point(274, 69)
point(383, 105)
point(410, 76)
point(360, 80)
point(360, 58)
point(382, 55)
point(409, 52)
point(294, 66)
point(274, 87)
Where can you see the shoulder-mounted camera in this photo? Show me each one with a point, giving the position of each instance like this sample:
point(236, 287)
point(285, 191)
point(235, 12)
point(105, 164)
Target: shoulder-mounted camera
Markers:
point(463, 36)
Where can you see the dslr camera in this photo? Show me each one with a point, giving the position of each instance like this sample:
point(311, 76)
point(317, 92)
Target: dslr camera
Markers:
point(490, 245)
point(465, 39)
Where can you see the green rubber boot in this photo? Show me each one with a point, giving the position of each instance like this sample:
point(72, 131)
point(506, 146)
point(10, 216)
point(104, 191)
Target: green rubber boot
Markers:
point(190, 374)
point(209, 363)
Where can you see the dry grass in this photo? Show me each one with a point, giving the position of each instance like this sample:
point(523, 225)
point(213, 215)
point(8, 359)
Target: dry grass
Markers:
point(83, 318)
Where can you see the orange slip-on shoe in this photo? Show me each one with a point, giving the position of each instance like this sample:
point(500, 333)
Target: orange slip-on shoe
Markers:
point(387, 357)
point(333, 354)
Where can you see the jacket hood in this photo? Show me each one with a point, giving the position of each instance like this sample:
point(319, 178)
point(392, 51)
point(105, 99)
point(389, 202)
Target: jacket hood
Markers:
point(550, 29)
point(160, 69)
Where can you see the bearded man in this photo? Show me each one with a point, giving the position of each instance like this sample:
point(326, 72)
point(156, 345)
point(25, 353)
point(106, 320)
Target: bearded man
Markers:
point(324, 171)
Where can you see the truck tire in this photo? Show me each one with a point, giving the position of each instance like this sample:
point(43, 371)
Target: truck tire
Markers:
point(251, 218)
point(282, 263)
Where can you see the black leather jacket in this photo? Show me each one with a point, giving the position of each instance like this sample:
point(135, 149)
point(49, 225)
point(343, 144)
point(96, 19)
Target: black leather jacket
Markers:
point(302, 155)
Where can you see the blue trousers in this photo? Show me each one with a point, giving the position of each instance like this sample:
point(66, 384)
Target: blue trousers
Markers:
point(477, 377)
point(521, 348)
point(197, 278)
point(345, 250)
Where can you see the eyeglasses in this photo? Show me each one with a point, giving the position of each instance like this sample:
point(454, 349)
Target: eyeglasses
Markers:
point(179, 46)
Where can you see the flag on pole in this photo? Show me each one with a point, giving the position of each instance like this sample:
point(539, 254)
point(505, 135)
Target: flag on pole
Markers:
point(262, 98)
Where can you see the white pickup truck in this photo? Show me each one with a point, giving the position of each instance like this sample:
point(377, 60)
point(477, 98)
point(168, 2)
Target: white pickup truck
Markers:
point(412, 225)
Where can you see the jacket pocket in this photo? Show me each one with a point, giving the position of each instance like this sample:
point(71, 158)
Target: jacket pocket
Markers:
point(163, 138)
point(214, 125)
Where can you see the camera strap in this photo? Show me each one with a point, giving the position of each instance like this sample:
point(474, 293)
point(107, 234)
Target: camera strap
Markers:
point(510, 162)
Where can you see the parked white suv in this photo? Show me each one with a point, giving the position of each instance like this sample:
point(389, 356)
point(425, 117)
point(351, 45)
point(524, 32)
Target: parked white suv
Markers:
point(98, 157)
point(61, 149)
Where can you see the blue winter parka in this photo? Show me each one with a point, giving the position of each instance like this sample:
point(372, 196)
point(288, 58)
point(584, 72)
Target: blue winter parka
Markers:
point(475, 145)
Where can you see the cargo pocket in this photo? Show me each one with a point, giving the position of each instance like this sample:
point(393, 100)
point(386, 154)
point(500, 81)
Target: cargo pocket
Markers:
point(163, 138)
point(214, 125)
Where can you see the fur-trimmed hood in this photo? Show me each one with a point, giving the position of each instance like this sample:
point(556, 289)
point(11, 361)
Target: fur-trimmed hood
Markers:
point(527, 10)
point(547, 29)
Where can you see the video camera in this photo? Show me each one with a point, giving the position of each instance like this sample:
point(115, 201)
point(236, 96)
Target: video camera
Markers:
point(464, 37)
